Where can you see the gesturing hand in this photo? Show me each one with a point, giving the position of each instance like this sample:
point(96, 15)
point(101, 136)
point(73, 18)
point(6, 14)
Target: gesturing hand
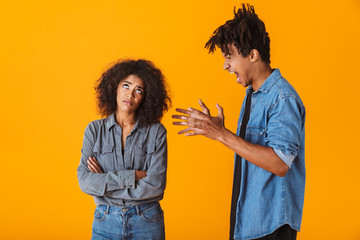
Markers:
point(94, 165)
point(201, 122)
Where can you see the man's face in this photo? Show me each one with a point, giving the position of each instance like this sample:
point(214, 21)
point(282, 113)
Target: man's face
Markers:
point(235, 63)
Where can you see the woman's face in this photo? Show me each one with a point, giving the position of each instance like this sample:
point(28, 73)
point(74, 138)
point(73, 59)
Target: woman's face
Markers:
point(130, 93)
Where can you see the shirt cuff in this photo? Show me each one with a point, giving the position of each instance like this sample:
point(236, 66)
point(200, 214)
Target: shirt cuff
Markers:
point(286, 158)
point(125, 179)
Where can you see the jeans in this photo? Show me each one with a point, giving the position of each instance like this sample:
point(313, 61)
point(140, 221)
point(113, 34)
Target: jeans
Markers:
point(144, 221)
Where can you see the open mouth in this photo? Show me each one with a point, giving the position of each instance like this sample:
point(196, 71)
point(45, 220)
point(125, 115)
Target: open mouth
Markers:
point(237, 75)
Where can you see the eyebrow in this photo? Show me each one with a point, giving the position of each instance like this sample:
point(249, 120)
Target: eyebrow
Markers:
point(131, 84)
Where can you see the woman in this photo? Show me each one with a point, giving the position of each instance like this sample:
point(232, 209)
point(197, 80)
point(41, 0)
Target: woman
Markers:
point(124, 156)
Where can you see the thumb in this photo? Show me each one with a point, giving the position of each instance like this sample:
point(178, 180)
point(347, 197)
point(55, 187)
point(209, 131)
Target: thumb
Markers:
point(220, 111)
point(203, 107)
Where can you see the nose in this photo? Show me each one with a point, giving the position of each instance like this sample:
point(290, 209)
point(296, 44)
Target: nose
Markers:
point(226, 65)
point(131, 95)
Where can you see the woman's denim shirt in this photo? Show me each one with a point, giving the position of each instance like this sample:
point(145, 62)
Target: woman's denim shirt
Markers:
point(266, 201)
point(145, 149)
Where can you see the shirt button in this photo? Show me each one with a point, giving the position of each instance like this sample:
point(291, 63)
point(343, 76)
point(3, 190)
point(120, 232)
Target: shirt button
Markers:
point(118, 149)
point(120, 165)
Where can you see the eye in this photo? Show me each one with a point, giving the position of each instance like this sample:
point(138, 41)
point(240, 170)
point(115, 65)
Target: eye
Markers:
point(125, 85)
point(139, 91)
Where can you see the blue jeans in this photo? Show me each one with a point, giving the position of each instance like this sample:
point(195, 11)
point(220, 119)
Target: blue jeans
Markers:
point(145, 221)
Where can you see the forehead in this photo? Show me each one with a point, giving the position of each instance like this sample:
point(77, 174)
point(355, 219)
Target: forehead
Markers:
point(232, 50)
point(134, 80)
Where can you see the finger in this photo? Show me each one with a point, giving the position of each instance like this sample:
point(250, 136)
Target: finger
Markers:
point(192, 134)
point(180, 123)
point(95, 165)
point(98, 166)
point(183, 111)
point(203, 107)
point(220, 110)
point(185, 131)
point(91, 168)
point(194, 113)
point(198, 131)
point(182, 117)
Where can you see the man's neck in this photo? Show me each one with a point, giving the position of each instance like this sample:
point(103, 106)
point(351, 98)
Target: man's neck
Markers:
point(260, 74)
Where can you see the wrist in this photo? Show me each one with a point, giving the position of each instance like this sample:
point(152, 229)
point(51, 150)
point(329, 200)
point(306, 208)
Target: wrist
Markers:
point(222, 135)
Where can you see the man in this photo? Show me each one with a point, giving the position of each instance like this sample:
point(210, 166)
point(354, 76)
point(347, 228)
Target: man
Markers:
point(269, 174)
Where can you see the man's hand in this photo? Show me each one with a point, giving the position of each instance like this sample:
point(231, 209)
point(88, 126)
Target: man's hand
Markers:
point(201, 122)
point(94, 165)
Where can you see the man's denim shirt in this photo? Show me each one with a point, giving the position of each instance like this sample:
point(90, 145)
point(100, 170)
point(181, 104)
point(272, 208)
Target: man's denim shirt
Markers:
point(145, 149)
point(266, 201)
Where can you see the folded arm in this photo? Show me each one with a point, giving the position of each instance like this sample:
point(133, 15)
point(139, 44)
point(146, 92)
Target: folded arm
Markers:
point(99, 183)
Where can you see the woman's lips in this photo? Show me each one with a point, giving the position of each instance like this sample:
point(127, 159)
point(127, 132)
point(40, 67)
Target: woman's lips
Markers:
point(129, 103)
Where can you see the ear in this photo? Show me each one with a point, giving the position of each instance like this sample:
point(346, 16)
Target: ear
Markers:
point(254, 55)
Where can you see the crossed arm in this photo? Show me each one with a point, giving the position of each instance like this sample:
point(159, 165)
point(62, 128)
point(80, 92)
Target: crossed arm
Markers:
point(124, 184)
point(94, 166)
point(202, 123)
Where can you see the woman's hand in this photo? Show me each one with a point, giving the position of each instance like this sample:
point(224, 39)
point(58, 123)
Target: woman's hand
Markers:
point(94, 165)
point(139, 174)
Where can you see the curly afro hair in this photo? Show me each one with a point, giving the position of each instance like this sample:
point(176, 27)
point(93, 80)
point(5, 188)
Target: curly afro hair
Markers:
point(246, 31)
point(156, 100)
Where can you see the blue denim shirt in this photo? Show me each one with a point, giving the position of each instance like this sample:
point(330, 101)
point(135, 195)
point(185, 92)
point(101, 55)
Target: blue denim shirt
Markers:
point(266, 201)
point(145, 149)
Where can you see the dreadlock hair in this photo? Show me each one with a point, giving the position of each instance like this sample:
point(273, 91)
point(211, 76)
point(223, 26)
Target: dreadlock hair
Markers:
point(246, 31)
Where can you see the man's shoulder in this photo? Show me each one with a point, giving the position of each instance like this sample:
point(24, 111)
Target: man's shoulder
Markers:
point(284, 88)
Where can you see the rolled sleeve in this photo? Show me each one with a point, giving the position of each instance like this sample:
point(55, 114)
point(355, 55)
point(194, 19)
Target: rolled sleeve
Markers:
point(286, 158)
point(285, 127)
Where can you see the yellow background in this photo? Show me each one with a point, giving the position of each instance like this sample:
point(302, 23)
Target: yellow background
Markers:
point(52, 52)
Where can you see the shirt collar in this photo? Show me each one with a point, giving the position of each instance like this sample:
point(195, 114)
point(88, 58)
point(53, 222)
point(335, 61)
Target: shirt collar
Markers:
point(269, 82)
point(110, 121)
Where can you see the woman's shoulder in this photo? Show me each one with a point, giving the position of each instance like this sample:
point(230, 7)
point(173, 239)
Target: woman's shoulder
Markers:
point(156, 127)
point(95, 126)
point(97, 122)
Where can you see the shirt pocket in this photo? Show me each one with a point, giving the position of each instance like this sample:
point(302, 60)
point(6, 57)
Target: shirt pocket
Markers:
point(142, 156)
point(105, 156)
point(256, 135)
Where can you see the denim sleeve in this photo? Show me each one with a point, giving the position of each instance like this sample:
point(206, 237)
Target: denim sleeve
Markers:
point(100, 184)
point(154, 183)
point(285, 125)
